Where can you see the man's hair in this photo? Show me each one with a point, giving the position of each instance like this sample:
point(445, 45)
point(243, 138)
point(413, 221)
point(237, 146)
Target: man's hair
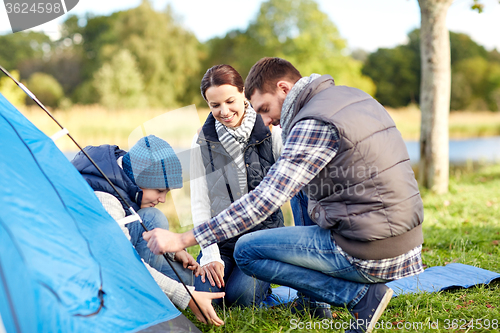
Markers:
point(266, 73)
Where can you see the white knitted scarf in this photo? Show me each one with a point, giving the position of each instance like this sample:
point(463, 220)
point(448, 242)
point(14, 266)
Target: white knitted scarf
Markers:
point(289, 104)
point(234, 141)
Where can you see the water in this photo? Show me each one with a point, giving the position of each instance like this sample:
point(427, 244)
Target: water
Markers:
point(461, 151)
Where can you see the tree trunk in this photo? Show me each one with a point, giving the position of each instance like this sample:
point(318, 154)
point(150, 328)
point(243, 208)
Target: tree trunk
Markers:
point(435, 90)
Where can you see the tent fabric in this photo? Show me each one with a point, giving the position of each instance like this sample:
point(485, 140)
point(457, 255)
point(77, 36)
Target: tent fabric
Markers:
point(59, 248)
point(440, 278)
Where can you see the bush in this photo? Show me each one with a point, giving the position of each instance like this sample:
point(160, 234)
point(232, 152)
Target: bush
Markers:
point(46, 88)
point(11, 91)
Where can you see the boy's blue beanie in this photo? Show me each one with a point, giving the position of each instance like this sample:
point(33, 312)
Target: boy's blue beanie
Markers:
point(152, 164)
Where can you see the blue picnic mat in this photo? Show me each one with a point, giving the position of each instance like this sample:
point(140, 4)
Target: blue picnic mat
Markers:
point(441, 278)
point(433, 279)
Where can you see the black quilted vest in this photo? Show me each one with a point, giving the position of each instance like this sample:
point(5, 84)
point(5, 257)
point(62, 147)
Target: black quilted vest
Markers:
point(222, 175)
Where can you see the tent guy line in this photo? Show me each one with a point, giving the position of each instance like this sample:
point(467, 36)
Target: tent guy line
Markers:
point(135, 216)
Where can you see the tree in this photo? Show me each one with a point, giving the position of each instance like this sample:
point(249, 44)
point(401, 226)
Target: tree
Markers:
point(396, 72)
point(46, 88)
point(11, 91)
point(435, 91)
point(119, 82)
point(474, 80)
point(396, 75)
point(22, 46)
point(167, 54)
point(298, 31)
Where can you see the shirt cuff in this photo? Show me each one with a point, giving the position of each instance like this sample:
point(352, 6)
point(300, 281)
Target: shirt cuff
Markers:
point(203, 235)
point(210, 254)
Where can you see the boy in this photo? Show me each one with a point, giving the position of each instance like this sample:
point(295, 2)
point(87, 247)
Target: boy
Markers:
point(144, 176)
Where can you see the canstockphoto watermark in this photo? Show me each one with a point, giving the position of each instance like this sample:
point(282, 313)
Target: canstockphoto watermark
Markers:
point(464, 324)
point(337, 325)
point(25, 14)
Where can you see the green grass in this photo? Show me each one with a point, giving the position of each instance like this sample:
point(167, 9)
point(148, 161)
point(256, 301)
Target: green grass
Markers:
point(462, 226)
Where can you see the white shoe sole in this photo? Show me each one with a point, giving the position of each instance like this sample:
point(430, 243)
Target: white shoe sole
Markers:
point(380, 309)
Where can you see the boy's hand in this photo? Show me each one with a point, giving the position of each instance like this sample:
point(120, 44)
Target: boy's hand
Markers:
point(186, 259)
point(204, 300)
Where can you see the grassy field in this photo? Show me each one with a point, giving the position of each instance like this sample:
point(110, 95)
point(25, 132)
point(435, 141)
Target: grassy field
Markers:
point(462, 124)
point(95, 125)
point(462, 226)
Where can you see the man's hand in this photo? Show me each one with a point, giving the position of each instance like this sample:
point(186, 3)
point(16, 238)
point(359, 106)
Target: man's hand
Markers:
point(214, 272)
point(161, 241)
point(204, 300)
point(186, 259)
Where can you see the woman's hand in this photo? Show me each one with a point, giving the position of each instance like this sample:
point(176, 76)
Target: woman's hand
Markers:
point(204, 300)
point(214, 271)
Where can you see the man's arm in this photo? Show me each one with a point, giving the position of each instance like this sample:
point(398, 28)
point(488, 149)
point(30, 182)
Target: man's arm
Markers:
point(161, 241)
point(310, 146)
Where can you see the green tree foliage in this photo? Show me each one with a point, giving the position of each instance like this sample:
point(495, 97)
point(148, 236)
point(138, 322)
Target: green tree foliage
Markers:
point(476, 85)
point(463, 47)
point(22, 46)
point(119, 83)
point(46, 88)
point(11, 91)
point(296, 30)
point(237, 49)
point(166, 54)
point(396, 73)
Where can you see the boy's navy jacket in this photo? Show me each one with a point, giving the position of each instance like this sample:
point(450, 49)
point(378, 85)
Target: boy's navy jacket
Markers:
point(105, 157)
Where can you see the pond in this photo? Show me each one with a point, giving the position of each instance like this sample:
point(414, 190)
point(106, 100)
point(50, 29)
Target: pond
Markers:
point(461, 151)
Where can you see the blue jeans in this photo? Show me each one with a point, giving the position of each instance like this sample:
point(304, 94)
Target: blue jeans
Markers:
point(241, 289)
point(299, 209)
point(154, 218)
point(303, 258)
point(301, 218)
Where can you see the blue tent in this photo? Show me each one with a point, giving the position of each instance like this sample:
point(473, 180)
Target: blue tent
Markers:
point(65, 265)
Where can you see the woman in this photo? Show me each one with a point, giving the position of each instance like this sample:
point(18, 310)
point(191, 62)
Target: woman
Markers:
point(230, 156)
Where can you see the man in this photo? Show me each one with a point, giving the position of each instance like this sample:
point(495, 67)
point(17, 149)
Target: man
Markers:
point(344, 151)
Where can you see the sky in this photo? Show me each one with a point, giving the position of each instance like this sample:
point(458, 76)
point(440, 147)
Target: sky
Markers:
point(364, 24)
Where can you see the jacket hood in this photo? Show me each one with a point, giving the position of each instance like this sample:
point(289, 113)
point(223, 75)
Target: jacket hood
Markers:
point(105, 156)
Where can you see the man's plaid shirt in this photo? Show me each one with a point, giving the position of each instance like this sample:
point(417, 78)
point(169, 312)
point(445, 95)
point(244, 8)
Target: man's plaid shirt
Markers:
point(310, 146)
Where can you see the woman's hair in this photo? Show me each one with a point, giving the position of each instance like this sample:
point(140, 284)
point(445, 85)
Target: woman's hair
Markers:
point(219, 75)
